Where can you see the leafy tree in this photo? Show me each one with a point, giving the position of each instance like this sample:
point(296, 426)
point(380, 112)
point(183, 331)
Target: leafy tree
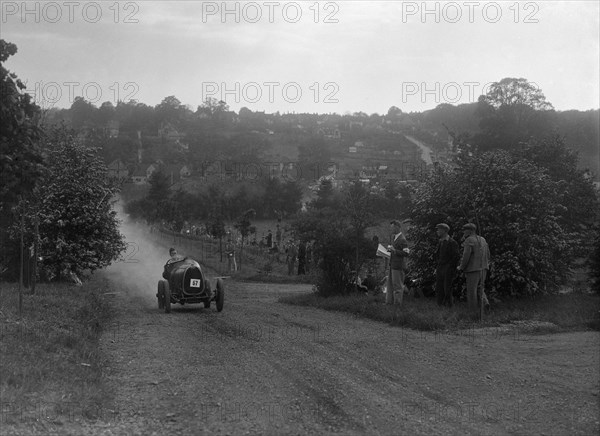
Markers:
point(172, 111)
point(514, 203)
point(513, 110)
point(83, 113)
point(576, 194)
point(216, 111)
point(393, 112)
point(106, 113)
point(216, 227)
point(291, 198)
point(79, 229)
point(314, 154)
point(133, 116)
point(339, 240)
point(21, 158)
point(248, 148)
point(159, 186)
point(594, 263)
point(326, 196)
point(516, 93)
point(358, 207)
point(245, 228)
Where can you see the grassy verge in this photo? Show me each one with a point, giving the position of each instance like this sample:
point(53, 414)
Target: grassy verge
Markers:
point(51, 366)
point(552, 313)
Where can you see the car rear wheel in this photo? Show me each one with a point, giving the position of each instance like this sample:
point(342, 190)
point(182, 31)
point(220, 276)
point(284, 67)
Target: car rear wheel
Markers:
point(220, 297)
point(160, 295)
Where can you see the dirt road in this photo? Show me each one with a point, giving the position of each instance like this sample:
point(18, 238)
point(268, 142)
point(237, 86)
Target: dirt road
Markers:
point(262, 367)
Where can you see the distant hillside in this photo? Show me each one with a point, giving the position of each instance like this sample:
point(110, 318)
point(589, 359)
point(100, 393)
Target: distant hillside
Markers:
point(174, 133)
point(581, 130)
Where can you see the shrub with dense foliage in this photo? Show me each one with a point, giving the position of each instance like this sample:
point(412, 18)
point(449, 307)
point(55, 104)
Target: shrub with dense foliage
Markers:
point(336, 222)
point(517, 208)
point(78, 227)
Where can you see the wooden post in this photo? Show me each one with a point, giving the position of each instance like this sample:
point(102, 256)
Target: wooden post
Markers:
point(21, 266)
point(35, 253)
point(481, 298)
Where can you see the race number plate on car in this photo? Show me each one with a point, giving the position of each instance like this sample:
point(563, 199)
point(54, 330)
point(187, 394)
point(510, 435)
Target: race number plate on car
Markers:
point(195, 283)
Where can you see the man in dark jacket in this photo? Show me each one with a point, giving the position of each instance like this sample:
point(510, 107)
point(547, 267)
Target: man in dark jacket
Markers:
point(398, 251)
point(169, 265)
point(446, 257)
point(302, 258)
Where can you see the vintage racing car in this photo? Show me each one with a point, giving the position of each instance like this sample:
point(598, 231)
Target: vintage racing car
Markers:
point(184, 282)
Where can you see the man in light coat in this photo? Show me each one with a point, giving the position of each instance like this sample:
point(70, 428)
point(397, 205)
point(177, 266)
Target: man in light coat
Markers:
point(475, 263)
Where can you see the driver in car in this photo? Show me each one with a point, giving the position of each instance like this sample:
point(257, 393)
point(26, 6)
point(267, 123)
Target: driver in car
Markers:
point(169, 265)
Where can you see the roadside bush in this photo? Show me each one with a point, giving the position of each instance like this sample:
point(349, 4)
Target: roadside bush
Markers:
point(594, 263)
point(514, 204)
point(337, 226)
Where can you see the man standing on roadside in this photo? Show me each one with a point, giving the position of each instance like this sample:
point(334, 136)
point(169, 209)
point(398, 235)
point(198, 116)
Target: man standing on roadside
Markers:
point(447, 256)
point(302, 257)
point(278, 236)
point(230, 251)
point(398, 252)
point(269, 239)
point(475, 263)
point(291, 254)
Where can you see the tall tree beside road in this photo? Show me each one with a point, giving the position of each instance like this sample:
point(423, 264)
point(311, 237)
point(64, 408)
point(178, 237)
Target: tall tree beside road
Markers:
point(245, 228)
point(513, 110)
point(339, 241)
point(79, 229)
point(579, 207)
point(21, 158)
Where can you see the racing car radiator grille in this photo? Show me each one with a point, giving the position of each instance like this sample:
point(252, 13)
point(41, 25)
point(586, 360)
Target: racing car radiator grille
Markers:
point(193, 282)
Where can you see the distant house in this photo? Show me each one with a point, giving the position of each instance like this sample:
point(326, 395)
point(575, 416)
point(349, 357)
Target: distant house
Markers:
point(351, 149)
point(117, 170)
point(139, 176)
point(112, 129)
point(177, 172)
point(170, 133)
point(330, 133)
point(368, 172)
point(142, 174)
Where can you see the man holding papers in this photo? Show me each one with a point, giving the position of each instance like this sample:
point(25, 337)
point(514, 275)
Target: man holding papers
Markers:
point(398, 250)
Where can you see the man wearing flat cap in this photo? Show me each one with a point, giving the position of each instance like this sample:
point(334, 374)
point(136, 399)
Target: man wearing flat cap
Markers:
point(475, 263)
point(398, 252)
point(447, 256)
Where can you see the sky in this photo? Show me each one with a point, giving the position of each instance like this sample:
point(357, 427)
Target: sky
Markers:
point(304, 56)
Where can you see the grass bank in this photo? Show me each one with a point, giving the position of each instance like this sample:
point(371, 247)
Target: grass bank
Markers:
point(51, 366)
point(551, 313)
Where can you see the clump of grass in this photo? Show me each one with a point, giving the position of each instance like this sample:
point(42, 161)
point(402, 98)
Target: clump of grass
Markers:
point(51, 364)
point(558, 312)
